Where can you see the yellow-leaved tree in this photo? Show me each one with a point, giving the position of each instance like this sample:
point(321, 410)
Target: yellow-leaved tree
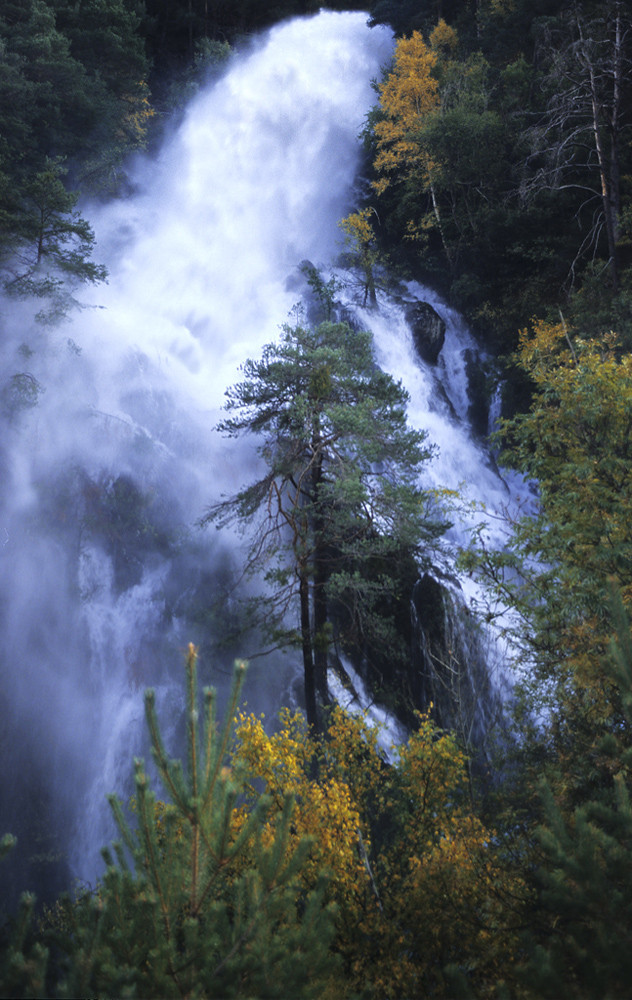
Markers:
point(439, 141)
point(572, 545)
point(419, 884)
point(576, 443)
point(409, 101)
point(361, 248)
point(408, 94)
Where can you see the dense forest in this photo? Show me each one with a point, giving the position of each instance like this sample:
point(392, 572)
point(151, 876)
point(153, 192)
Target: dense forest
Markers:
point(498, 170)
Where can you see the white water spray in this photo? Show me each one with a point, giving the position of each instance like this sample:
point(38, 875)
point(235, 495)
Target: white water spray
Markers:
point(104, 577)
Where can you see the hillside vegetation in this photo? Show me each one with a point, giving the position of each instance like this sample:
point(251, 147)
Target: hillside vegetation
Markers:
point(498, 163)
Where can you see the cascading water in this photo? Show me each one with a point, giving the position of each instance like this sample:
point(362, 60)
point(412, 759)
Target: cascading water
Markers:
point(109, 455)
point(455, 664)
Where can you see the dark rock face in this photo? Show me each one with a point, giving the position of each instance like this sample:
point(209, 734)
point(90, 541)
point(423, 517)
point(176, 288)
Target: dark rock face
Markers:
point(478, 412)
point(449, 668)
point(428, 330)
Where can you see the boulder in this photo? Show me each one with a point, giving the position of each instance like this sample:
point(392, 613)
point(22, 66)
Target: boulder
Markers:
point(428, 330)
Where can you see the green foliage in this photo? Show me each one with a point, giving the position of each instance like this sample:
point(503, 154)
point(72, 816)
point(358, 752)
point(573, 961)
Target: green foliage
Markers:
point(581, 946)
point(56, 107)
point(562, 556)
point(218, 889)
point(501, 154)
point(73, 104)
point(6, 844)
point(209, 61)
point(176, 28)
point(199, 921)
point(575, 443)
point(406, 16)
point(340, 496)
point(596, 307)
point(490, 181)
point(23, 962)
point(192, 903)
point(51, 244)
point(324, 291)
point(79, 71)
point(579, 142)
point(361, 249)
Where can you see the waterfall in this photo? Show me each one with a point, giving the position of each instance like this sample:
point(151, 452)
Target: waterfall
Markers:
point(457, 665)
point(109, 456)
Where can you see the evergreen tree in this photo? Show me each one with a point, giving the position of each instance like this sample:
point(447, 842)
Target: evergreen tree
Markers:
point(78, 72)
point(339, 508)
point(49, 247)
point(105, 38)
point(73, 104)
point(193, 903)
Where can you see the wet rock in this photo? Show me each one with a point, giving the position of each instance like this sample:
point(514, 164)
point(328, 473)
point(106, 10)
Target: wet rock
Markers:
point(478, 412)
point(428, 330)
point(450, 669)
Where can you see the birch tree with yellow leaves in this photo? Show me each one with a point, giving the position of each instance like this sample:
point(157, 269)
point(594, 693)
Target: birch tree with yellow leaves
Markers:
point(439, 143)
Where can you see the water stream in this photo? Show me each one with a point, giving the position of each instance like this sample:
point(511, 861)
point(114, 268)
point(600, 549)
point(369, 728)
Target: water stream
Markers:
point(109, 456)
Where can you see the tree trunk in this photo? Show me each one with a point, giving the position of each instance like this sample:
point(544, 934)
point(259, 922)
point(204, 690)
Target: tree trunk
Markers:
point(615, 128)
point(308, 657)
point(609, 210)
point(608, 160)
point(320, 634)
point(437, 214)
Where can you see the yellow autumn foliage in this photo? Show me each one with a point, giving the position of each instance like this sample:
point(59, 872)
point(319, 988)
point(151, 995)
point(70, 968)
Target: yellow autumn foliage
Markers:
point(361, 245)
point(136, 120)
point(576, 443)
point(324, 808)
point(357, 226)
point(407, 96)
point(443, 38)
point(416, 878)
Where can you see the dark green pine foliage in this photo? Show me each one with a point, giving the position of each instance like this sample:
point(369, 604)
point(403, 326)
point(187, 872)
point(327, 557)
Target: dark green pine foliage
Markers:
point(203, 910)
point(105, 38)
point(73, 104)
point(582, 947)
point(50, 247)
point(176, 28)
point(406, 16)
point(339, 510)
point(193, 903)
point(23, 961)
point(78, 71)
point(57, 110)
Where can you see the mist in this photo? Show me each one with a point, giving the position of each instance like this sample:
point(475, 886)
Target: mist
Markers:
point(108, 455)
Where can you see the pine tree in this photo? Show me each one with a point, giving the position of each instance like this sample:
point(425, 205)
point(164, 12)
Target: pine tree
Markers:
point(339, 509)
point(193, 903)
point(51, 244)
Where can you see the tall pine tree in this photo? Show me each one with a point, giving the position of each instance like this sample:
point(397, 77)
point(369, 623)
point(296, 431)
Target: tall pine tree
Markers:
point(339, 508)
